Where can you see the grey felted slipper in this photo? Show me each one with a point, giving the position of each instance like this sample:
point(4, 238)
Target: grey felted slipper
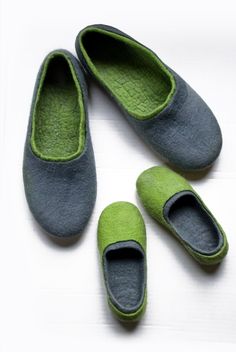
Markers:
point(59, 168)
point(163, 109)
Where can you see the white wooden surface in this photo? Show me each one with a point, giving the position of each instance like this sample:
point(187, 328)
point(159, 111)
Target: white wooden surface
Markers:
point(52, 298)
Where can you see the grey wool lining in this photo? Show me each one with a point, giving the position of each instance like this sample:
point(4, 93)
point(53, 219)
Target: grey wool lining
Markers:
point(125, 275)
point(192, 222)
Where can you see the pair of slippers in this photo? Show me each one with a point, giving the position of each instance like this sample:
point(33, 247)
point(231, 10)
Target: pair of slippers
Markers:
point(59, 168)
point(170, 200)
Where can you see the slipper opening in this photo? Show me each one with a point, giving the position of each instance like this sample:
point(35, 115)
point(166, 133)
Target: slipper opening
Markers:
point(193, 223)
point(124, 271)
point(58, 121)
point(134, 75)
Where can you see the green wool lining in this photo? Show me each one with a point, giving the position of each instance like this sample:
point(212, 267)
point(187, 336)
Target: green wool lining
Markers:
point(58, 126)
point(133, 74)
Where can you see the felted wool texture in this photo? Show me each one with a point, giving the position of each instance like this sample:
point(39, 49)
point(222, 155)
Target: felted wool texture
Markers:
point(181, 128)
point(61, 194)
point(58, 128)
point(192, 222)
point(137, 78)
point(120, 221)
point(121, 234)
point(159, 189)
point(124, 274)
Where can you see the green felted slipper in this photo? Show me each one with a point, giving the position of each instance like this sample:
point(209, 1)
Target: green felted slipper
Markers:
point(170, 199)
point(122, 247)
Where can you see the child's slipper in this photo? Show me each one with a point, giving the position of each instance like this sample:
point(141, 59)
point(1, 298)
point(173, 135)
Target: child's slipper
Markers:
point(122, 247)
point(59, 169)
point(171, 200)
point(160, 105)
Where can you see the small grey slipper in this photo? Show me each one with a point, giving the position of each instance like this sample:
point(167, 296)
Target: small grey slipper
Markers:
point(163, 109)
point(59, 168)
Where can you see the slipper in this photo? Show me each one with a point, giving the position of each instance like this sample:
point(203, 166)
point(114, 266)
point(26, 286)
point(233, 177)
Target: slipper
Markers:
point(171, 200)
point(163, 109)
point(59, 168)
point(122, 248)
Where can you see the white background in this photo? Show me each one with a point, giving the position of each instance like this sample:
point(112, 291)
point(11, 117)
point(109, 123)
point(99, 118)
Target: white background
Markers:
point(52, 298)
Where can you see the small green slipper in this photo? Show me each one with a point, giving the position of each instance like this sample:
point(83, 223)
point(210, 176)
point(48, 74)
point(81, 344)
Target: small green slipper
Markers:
point(170, 199)
point(122, 248)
